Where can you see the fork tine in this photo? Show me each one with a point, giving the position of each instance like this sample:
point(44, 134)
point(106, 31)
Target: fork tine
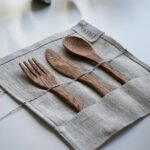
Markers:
point(45, 70)
point(40, 66)
point(26, 71)
point(35, 67)
point(30, 68)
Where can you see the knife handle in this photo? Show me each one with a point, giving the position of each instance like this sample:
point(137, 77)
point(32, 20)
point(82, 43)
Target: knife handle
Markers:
point(69, 98)
point(95, 84)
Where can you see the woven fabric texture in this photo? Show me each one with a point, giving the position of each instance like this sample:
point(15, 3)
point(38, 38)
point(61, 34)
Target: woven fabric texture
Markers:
point(103, 117)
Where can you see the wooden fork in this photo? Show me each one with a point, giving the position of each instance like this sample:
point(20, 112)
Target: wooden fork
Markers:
point(44, 79)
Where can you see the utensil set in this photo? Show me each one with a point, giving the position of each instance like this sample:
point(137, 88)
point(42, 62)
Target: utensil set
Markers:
point(40, 76)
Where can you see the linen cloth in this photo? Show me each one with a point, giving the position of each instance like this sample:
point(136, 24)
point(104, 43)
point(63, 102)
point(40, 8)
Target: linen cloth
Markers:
point(104, 117)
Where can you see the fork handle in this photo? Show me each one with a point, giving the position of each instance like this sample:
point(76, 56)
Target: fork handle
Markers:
point(95, 84)
point(69, 98)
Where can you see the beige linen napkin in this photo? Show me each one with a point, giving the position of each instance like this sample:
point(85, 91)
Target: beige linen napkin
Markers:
point(104, 117)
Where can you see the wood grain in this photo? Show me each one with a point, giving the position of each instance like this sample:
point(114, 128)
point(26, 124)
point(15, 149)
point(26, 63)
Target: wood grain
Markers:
point(70, 99)
point(80, 47)
point(92, 82)
point(44, 79)
point(67, 68)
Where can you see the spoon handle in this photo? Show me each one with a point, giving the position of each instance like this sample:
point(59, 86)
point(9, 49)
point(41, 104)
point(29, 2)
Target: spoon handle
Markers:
point(94, 83)
point(110, 69)
point(69, 98)
point(114, 73)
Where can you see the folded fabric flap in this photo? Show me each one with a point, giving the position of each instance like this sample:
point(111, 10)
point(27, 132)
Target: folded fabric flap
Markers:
point(86, 30)
point(93, 126)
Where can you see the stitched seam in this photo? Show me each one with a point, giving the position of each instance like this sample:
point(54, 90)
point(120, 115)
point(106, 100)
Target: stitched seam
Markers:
point(40, 112)
point(32, 50)
point(56, 85)
point(76, 79)
point(125, 53)
point(67, 83)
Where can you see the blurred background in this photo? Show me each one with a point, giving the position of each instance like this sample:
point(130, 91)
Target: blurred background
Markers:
point(25, 22)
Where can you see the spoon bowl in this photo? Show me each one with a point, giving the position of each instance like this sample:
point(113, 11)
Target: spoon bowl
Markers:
point(80, 47)
point(77, 46)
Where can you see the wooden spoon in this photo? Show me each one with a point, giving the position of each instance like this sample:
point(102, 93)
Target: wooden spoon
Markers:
point(82, 48)
point(65, 67)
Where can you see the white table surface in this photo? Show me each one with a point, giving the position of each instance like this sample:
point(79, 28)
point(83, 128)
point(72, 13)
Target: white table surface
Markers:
point(22, 23)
